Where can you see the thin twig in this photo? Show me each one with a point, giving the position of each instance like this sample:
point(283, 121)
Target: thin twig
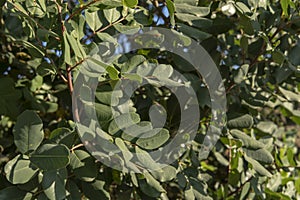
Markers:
point(103, 29)
point(76, 147)
point(239, 188)
point(60, 18)
point(81, 9)
point(76, 65)
point(69, 79)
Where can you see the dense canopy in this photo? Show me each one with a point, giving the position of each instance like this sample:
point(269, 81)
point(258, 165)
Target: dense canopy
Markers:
point(255, 45)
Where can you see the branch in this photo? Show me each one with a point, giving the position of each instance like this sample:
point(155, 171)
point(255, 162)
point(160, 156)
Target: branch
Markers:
point(69, 79)
point(239, 188)
point(74, 66)
point(103, 29)
point(160, 12)
point(60, 18)
point(81, 9)
point(76, 147)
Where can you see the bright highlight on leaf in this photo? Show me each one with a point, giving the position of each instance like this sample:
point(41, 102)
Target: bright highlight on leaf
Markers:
point(130, 3)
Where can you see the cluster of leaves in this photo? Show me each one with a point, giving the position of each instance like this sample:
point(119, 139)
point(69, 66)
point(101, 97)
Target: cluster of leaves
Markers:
point(255, 45)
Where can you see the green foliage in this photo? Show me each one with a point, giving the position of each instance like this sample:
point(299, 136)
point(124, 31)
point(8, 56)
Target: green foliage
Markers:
point(255, 45)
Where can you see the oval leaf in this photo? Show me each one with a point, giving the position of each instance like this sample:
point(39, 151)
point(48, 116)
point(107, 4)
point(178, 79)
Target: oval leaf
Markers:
point(28, 131)
point(51, 156)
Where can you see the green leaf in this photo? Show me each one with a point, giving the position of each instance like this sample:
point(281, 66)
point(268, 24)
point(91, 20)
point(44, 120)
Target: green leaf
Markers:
point(163, 71)
point(189, 194)
point(125, 151)
point(35, 8)
point(247, 140)
point(36, 83)
point(33, 49)
point(136, 130)
point(132, 63)
point(257, 167)
point(294, 55)
point(14, 193)
point(244, 121)
point(193, 32)
point(104, 112)
point(267, 127)
point(241, 74)
point(291, 96)
point(221, 159)
point(67, 52)
point(199, 189)
point(195, 10)
point(153, 141)
point(261, 155)
point(19, 170)
point(290, 156)
point(111, 15)
point(247, 25)
point(150, 186)
point(123, 121)
point(112, 72)
point(276, 195)
point(76, 46)
point(133, 77)
point(146, 160)
point(108, 97)
point(278, 57)
point(129, 29)
point(28, 131)
point(165, 174)
point(83, 165)
point(284, 5)
point(171, 9)
point(105, 37)
point(93, 20)
point(130, 3)
point(45, 69)
point(63, 136)
point(54, 182)
point(245, 190)
point(95, 190)
point(50, 157)
point(243, 8)
point(73, 190)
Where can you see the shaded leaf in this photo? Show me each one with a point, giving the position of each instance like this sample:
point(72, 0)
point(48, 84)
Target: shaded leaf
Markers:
point(244, 121)
point(28, 131)
point(154, 141)
point(50, 157)
point(54, 182)
point(83, 165)
point(14, 193)
point(247, 140)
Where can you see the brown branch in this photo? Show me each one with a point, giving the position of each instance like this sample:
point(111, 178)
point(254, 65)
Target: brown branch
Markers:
point(160, 12)
point(60, 18)
point(69, 79)
point(76, 65)
point(60, 74)
point(103, 29)
point(81, 9)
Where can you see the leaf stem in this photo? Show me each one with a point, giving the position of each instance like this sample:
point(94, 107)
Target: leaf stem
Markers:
point(76, 147)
